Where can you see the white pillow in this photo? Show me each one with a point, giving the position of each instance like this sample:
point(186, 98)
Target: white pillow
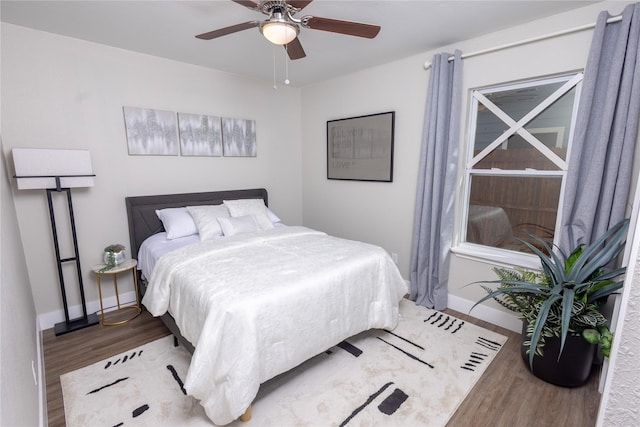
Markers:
point(273, 217)
point(177, 222)
point(255, 207)
point(238, 225)
point(206, 219)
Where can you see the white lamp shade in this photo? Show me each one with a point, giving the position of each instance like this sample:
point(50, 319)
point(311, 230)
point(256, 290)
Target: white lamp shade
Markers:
point(37, 168)
point(279, 32)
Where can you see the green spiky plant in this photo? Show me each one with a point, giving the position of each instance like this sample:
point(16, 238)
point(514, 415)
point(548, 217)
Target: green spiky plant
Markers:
point(566, 296)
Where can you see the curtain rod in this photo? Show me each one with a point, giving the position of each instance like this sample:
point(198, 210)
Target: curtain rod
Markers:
point(618, 18)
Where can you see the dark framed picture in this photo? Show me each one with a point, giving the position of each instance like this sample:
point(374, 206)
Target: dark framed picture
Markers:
point(361, 148)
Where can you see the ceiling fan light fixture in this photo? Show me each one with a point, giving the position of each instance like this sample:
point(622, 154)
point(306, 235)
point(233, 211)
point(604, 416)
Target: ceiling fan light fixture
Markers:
point(279, 32)
point(282, 27)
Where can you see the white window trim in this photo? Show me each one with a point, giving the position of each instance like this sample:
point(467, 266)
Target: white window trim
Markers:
point(504, 257)
point(496, 256)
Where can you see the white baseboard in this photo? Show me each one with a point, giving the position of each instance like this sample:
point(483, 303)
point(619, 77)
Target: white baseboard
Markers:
point(49, 319)
point(488, 314)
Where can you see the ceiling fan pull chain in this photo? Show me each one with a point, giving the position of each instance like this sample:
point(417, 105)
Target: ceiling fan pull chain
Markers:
point(275, 86)
point(286, 65)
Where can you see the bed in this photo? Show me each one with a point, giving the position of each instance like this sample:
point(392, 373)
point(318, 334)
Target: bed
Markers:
point(252, 305)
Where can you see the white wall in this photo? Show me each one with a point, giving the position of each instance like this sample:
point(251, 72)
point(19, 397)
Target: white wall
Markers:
point(619, 405)
point(373, 212)
point(382, 213)
point(21, 399)
point(60, 92)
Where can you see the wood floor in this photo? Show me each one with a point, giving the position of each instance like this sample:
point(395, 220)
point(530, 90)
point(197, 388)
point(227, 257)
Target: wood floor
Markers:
point(507, 394)
point(68, 352)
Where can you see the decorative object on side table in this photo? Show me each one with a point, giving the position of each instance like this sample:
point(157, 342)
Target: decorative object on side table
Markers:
point(125, 265)
point(561, 306)
point(113, 256)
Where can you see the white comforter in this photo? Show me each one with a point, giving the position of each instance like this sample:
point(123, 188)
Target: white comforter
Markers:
point(257, 305)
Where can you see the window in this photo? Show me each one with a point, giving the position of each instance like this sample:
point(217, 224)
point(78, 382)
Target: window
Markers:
point(519, 140)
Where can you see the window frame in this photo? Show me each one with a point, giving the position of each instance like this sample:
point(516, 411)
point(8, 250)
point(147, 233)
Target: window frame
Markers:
point(502, 256)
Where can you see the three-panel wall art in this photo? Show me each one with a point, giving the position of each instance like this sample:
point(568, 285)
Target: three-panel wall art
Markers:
point(167, 133)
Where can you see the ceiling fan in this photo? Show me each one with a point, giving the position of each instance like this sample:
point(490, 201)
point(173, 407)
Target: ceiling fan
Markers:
point(282, 28)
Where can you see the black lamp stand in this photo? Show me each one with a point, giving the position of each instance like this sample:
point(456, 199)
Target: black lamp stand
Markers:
point(85, 320)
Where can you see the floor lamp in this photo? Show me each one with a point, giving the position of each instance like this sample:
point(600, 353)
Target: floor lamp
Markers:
point(57, 171)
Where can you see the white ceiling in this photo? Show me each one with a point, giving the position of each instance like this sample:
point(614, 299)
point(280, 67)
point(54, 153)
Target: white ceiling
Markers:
point(167, 29)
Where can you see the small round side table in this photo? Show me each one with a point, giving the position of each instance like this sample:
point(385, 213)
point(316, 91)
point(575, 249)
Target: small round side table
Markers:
point(127, 265)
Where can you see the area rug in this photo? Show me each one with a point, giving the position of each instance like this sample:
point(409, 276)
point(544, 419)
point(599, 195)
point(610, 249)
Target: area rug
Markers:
point(415, 375)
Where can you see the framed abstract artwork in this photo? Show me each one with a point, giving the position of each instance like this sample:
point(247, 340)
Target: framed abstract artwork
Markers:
point(151, 132)
point(200, 135)
point(239, 138)
point(361, 148)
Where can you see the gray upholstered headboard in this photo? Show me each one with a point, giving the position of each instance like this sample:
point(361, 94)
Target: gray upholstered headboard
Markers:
point(141, 210)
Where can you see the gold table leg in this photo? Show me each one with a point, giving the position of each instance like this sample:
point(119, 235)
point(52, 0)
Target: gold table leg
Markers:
point(100, 294)
point(135, 306)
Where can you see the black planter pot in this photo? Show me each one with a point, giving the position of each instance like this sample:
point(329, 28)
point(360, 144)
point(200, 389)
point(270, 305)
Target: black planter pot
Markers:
point(573, 367)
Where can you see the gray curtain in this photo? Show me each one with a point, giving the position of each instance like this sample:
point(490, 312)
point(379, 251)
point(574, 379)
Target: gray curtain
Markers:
point(434, 210)
point(600, 166)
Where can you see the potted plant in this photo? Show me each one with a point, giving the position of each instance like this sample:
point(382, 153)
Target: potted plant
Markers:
point(560, 306)
point(113, 255)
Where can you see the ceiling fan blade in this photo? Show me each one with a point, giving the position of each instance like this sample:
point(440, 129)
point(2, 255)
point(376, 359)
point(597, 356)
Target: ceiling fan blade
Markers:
point(228, 30)
point(349, 28)
point(299, 4)
point(294, 49)
point(248, 3)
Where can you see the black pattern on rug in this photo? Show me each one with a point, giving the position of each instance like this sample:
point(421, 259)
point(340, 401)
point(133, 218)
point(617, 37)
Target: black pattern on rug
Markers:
point(442, 320)
point(123, 359)
point(120, 361)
